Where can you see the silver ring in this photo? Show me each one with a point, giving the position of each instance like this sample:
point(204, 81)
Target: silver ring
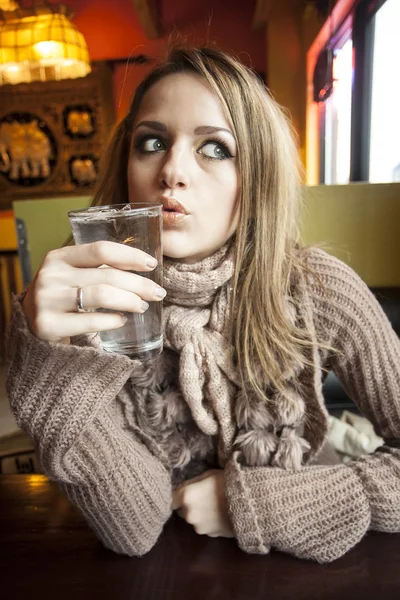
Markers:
point(79, 300)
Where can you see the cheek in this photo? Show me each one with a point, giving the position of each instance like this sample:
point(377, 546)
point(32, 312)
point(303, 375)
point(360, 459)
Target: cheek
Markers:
point(222, 214)
point(137, 181)
point(224, 185)
point(223, 201)
point(235, 212)
point(130, 175)
point(234, 216)
point(232, 193)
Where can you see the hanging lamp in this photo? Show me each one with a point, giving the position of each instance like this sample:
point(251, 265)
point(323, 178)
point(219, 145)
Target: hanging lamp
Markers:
point(39, 43)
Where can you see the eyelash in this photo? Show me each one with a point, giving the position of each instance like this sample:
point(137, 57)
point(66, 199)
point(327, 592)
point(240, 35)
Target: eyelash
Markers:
point(138, 145)
point(220, 143)
point(140, 141)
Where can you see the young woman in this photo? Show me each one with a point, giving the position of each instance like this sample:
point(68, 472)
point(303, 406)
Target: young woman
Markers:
point(228, 426)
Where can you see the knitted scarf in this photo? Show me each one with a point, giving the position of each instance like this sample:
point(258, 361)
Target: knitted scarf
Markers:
point(196, 317)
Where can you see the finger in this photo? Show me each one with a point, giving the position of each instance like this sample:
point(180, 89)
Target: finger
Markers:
point(57, 290)
point(104, 252)
point(53, 327)
point(108, 297)
point(61, 301)
point(131, 282)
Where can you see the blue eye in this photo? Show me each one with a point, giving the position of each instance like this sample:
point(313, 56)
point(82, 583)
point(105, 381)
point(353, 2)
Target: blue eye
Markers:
point(150, 144)
point(215, 150)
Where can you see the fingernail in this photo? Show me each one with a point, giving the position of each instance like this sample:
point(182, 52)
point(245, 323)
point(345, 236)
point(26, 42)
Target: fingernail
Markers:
point(151, 262)
point(160, 292)
point(144, 306)
point(124, 318)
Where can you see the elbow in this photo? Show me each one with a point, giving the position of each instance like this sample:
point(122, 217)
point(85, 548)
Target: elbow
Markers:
point(131, 533)
point(133, 548)
point(136, 545)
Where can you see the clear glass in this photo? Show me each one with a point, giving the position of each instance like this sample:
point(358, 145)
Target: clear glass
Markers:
point(384, 157)
point(139, 226)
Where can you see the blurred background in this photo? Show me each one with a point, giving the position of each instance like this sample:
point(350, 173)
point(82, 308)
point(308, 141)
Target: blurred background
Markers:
point(67, 74)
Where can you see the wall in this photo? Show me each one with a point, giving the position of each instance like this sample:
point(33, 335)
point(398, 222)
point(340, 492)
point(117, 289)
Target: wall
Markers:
point(285, 61)
point(291, 29)
point(51, 210)
point(112, 31)
point(358, 223)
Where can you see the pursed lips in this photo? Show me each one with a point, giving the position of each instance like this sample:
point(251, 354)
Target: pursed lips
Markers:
point(173, 205)
point(174, 213)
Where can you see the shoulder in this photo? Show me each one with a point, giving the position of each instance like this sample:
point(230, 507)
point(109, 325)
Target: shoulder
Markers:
point(340, 300)
point(329, 278)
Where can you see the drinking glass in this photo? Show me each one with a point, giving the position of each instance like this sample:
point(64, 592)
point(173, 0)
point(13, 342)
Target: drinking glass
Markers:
point(139, 226)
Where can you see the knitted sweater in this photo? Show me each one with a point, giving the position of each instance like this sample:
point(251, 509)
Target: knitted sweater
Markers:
point(80, 405)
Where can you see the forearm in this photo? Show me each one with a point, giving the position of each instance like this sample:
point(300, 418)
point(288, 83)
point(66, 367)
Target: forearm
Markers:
point(318, 513)
point(122, 490)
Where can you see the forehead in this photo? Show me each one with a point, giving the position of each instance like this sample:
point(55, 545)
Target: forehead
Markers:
point(186, 95)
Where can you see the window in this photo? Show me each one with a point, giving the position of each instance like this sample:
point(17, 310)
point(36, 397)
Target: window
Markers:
point(337, 136)
point(384, 147)
point(358, 93)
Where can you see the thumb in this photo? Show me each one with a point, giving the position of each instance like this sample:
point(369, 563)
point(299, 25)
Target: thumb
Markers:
point(177, 492)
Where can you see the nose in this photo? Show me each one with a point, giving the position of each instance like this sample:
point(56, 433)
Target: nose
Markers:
point(174, 172)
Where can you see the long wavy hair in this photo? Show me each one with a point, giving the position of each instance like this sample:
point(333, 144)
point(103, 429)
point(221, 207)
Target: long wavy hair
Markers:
point(267, 257)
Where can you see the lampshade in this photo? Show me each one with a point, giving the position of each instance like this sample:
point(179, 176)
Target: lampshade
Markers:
point(43, 46)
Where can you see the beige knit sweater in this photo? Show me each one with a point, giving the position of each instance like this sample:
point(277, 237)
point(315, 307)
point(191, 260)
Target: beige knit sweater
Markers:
point(73, 401)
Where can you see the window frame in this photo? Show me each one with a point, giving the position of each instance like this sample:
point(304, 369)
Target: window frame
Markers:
point(358, 17)
point(363, 44)
point(342, 34)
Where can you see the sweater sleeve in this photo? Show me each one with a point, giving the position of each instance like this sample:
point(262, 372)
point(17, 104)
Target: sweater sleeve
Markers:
point(321, 512)
point(63, 397)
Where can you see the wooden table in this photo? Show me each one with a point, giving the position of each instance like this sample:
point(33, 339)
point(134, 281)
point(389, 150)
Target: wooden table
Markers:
point(48, 551)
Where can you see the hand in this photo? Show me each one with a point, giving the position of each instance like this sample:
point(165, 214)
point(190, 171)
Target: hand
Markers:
point(50, 301)
point(201, 501)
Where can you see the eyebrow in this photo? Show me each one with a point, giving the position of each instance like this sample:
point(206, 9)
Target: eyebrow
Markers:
point(202, 130)
point(205, 129)
point(153, 125)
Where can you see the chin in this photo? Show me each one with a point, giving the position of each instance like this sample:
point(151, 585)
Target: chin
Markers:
point(186, 250)
point(183, 254)
point(177, 254)
point(175, 246)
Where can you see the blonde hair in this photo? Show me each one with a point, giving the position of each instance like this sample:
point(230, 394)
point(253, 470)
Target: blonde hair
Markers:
point(266, 341)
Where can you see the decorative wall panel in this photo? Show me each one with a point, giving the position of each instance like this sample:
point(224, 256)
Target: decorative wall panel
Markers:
point(52, 134)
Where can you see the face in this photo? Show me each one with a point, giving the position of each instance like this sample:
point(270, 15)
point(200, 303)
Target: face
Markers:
point(183, 154)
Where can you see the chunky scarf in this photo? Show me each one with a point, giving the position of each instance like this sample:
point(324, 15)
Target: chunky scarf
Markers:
point(196, 315)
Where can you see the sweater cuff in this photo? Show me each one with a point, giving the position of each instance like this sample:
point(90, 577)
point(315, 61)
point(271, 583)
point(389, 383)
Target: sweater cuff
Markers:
point(317, 513)
point(242, 509)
